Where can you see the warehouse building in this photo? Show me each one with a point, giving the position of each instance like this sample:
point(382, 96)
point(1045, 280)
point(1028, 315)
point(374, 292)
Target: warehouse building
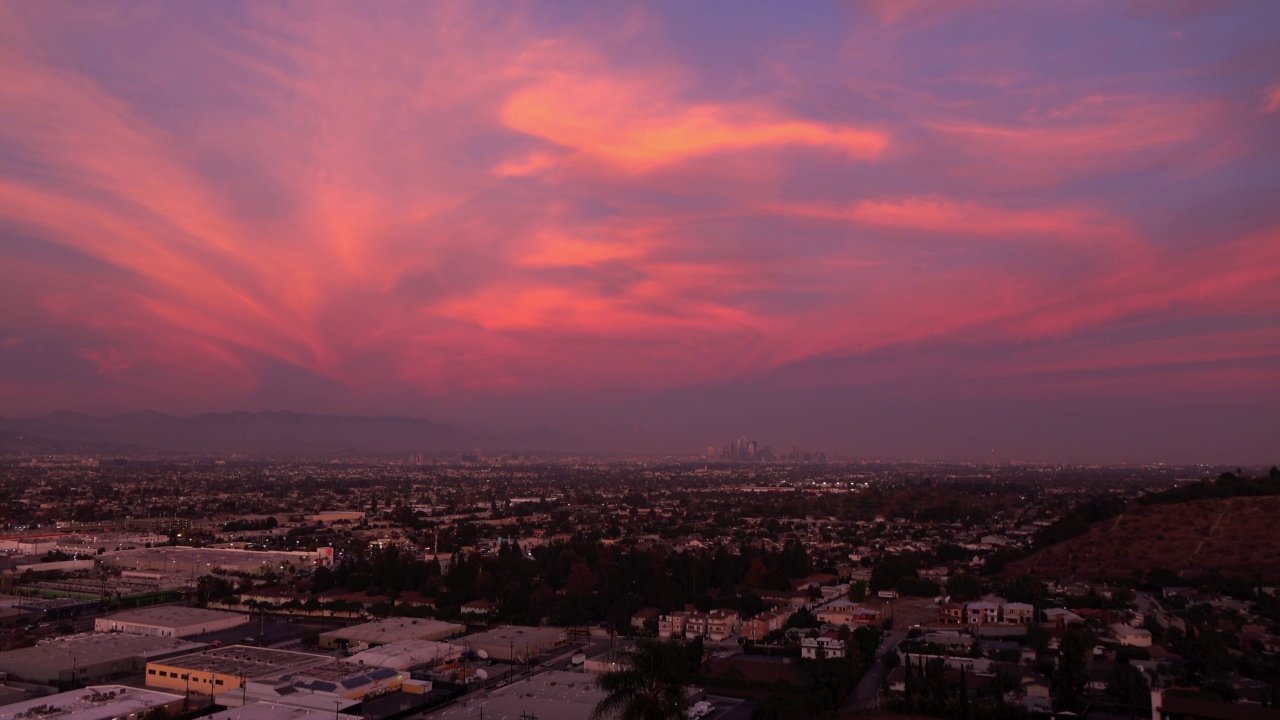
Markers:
point(515, 643)
point(91, 657)
point(385, 632)
point(332, 686)
point(409, 654)
point(277, 711)
point(222, 669)
point(169, 621)
point(193, 562)
point(101, 702)
point(560, 695)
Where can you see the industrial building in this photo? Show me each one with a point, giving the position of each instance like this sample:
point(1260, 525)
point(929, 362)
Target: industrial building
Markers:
point(385, 632)
point(277, 711)
point(332, 686)
point(91, 657)
point(200, 561)
point(515, 643)
point(101, 702)
point(222, 669)
point(560, 695)
point(169, 621)
point(409, 654)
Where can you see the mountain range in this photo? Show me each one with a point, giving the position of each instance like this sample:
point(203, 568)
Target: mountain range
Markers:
point(260, 434)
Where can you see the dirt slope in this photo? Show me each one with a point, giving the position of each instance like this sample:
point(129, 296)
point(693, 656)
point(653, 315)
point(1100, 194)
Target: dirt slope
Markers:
point(1237, 536)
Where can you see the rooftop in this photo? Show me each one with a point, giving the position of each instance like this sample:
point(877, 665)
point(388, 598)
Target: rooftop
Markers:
point(171, 616)
point(63, 652)
point(391, 630)
point(277, 711)
point(92, 703)
point(247, 661)
point(561, 695)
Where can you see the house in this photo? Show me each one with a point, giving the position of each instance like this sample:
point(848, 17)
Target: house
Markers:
point(1061, 617)
point(695, 625)
point(826, 645)
point(1035, 694)
point(672, 624)
point(981, 613)
point(479, 607)
point(1017, 614)
point(643, 616)
point(721, 624)
point(951, 614)
point(1131, 636)
point(759, 627)
point(837, 612)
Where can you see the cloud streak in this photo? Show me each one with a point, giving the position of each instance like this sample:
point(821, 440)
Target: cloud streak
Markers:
point(425, 208)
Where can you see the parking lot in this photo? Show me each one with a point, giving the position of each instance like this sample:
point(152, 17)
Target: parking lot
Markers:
point(276, 632)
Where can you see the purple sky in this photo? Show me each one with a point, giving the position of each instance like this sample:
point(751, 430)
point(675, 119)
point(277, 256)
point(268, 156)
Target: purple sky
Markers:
point(1043, 231)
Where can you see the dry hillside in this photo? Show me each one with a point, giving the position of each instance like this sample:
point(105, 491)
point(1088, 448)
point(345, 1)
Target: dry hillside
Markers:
point(1237, 536)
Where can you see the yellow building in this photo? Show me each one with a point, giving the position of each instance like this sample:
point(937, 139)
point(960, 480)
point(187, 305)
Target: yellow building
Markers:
point(228, 668)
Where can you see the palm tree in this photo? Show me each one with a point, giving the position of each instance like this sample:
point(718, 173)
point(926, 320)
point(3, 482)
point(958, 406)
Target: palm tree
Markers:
point(648, 684)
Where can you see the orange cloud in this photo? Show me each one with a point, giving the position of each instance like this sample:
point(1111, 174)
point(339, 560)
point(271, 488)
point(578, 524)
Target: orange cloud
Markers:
point(948, 218)
point(639, 125)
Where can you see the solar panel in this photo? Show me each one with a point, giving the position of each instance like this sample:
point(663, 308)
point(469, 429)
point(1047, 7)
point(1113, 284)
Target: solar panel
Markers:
point(383, 673)
point(355, 682)
point(323, 686)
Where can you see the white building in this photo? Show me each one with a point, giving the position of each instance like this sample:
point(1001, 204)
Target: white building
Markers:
point(278, 711)
point(169, 621)
point(409, 654)
point(101, 702)
point(1131, 636)
point(385, 632)
point(825, 646)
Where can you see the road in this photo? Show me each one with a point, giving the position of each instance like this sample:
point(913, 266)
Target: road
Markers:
point(866, 694)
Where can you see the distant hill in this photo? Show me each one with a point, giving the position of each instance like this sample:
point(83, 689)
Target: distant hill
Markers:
point(263, 434)
point(1236, 536)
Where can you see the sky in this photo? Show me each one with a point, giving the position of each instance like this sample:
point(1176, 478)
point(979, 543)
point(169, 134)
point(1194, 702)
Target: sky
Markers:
point(884, 229)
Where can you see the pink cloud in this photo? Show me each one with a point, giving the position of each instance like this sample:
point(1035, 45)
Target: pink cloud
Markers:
point(1272, 97)
point(639, 124)
point(457, 203)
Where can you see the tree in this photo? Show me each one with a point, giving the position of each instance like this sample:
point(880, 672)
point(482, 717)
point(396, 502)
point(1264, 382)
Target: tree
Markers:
point(649, 684)
point(1128, 687)
point(1073, 669)
point(858, 590)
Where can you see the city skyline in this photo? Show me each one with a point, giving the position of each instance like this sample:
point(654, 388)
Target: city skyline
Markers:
point(883, 229)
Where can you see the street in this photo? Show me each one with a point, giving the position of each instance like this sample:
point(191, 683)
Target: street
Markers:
point(867, 693)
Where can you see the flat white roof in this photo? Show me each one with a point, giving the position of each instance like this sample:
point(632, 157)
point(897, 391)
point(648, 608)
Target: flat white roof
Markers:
point(276, 711)
point(407, 653)
point(172, 616)
point(560, 695)
point(391, 630)
point(99, 702)
point(245, 660)
point(63, 653)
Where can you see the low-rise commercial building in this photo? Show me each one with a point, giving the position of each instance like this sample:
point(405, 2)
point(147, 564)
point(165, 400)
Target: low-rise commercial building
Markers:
point(101, 702)
point(90, 658)
point(334, 686)
point(385, 632)
point(170, 621)
point(409, 654)
point(279, 711)
point(516, 643)
point(560, 695)
point(228, 668)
